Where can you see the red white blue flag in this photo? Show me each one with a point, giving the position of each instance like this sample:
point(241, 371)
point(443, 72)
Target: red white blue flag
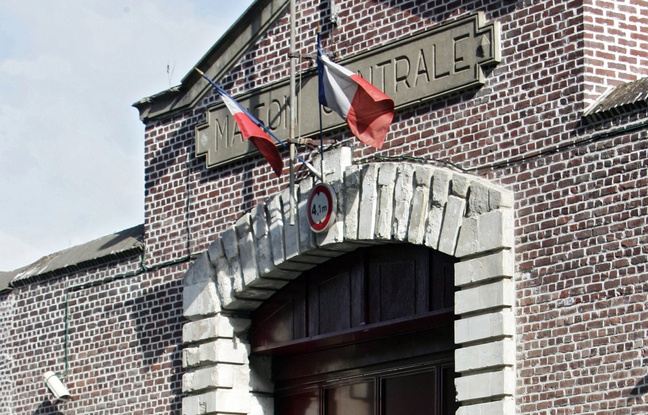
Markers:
point(251, 128)
point(252, 132)
point(367, 110)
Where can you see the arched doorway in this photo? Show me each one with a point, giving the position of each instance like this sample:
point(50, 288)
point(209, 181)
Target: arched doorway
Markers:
point(459, 215)
point(367, 333)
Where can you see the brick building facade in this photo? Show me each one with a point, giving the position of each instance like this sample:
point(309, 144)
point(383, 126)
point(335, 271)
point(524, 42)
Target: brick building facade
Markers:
point(530, 178)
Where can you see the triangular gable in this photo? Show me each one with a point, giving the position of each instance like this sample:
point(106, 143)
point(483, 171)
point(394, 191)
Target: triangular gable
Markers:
point(218, 61)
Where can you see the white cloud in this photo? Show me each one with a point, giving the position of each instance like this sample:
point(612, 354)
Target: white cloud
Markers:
point(71, 145)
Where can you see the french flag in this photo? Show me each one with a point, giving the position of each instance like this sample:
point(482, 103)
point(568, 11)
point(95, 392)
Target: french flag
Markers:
point(367, 110)
point(252, 132)
point(250, 128)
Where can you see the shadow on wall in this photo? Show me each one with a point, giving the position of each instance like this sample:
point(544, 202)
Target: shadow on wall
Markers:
point(47, 407)
point(150, 343)
point(640, 389)
point(158, 318)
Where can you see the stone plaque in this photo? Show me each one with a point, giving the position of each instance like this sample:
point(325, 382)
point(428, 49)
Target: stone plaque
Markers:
point(437, 62)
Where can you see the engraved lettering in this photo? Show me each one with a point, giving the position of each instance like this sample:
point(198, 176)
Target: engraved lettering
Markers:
point(421, 68)
point(401, 72)
point(381, 68)
point(274, 117)
point(460, 53)
point(441, 62)
point(235, 135)
point(220, 131)
point(258, 109)
point(286, 111)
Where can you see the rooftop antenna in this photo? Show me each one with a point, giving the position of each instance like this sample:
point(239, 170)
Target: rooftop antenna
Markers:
point(170, 68)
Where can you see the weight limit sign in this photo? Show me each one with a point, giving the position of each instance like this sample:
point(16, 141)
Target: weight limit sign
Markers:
point(321, 207)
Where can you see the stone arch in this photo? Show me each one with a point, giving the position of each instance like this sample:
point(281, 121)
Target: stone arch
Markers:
point(452, 212)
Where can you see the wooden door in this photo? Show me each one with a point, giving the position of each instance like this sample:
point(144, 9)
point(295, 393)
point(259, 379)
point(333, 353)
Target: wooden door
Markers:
point(369, 333)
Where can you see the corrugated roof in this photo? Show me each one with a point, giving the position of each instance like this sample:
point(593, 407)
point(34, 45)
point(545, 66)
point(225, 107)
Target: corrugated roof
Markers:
point(5, 279)
point(107, 248)
point(619, 100)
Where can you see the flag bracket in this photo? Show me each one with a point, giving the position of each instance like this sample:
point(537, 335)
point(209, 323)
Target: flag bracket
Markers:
point(311, 57)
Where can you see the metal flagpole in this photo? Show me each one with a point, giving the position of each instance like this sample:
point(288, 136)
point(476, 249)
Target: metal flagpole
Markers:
point(293, 111)
point(321, 134)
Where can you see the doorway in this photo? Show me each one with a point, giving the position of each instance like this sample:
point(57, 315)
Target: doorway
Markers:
point(370, 332)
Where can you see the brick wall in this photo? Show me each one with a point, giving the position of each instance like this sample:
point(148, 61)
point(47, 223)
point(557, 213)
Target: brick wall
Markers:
point(615, 44)
point(123, 344)
point(6, 358)
point(581, 209)
point(580, 193)
point(582, 286)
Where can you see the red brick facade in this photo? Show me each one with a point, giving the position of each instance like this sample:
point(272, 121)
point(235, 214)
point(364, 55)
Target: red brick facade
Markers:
point(581, 212)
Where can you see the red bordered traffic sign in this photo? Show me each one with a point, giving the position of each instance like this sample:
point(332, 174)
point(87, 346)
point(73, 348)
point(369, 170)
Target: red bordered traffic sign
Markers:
point(321, 207)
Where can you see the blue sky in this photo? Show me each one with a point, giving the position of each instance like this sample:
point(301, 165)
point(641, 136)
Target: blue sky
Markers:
point(71, 144)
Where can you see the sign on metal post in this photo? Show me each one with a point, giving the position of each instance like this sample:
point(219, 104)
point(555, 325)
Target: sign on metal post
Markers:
point(321, 207)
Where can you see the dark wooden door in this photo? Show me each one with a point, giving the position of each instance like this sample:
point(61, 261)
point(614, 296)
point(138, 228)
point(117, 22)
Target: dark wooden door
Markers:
point(370, 332)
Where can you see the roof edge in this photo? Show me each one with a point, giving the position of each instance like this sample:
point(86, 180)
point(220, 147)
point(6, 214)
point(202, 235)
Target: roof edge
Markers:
point(101, 251)
point(217, 62)
point(618, 100)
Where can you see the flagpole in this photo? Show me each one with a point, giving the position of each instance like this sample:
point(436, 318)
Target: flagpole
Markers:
point(321, 134)
point(293, 110)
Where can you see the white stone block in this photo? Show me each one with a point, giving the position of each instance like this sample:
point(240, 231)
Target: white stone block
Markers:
point(217, 401)
point(247, 253)
point(232, 401)
point(420, 205)
point(494, 266)
point(486, 385)
point(490, 231)
point(335, 162)
point(220, 376)
point(208, 328)
point(478, 198)
point(192, 405)
point(351, 200)
point(199, 294)
point(385, 211)
point(452, 222)
point(225, 276)
point(485, 356)
point(368, 202)
point(485, 326)
point(291, 225)
point(263, 247)
point(500, 198)
point(223, 351)
point(306, 235)
point(440, 187)
point(190, 357)
point(230, 244)
point(433, 226)
point(403, 193)
point(200, 300)
point(276, 226)
point(484, 297)
point(460, 185)
point(216, 251)
point(504, 406)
